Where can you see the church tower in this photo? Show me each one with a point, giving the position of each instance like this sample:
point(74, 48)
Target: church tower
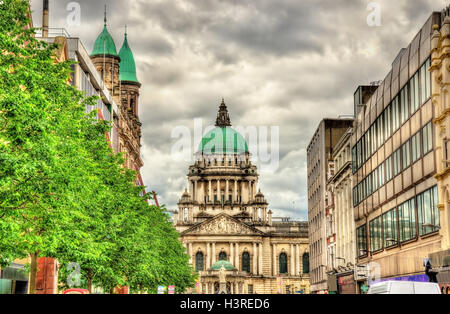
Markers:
point(129, 90)
point(118, 71)
point(106, 60)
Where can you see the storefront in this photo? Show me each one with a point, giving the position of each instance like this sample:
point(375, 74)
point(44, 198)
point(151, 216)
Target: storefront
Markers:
point(14, 280)
point(441, 261)
point(346, 283)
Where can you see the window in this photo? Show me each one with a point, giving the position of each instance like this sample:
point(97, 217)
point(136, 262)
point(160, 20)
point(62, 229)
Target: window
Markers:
point(388, 166)
point(368, 183)
point(283, 263)
point(288, 289)
point(354, 165)
point(428, 213)
point(404, 107)
point(415, 147)
point(373, 137)
point(390, 228)
point(246, 262)
point(305, 260)
point(407, 220)
point(387, 122)
point(375, 179)
point(414, 93)
point(406, 157)
point(381, 175)
point(361, 240)
point(369, 150)
point(395, 114)
point(359, 152)
point(380, 127)
point(396, 160)
point(355, 196)
point(199, 261)
point(250, 289)
point(222, 256)
point(427, 138)
point(425, 83)
point(375, 235)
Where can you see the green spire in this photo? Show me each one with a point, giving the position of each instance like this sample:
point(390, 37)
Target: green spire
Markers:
point(104, 44)
point(127, 64)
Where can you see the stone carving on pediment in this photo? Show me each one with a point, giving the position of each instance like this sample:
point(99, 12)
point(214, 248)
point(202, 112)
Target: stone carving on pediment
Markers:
point(222, 225)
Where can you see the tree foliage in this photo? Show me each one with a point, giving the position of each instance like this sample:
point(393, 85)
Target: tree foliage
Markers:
point(63, 192)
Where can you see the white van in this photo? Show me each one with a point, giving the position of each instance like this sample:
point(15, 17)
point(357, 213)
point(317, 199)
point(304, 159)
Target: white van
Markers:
point(404, 287)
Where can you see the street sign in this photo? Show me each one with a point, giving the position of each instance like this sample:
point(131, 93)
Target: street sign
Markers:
point(171, 290)
point(161, 289)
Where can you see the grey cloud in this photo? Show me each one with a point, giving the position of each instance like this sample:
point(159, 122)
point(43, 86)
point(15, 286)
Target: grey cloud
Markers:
point(287, 63)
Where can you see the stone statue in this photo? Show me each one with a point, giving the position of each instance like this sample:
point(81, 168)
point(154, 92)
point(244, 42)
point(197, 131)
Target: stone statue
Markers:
point(222, 275)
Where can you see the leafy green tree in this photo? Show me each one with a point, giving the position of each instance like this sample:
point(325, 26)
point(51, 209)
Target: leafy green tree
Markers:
point(63, 192)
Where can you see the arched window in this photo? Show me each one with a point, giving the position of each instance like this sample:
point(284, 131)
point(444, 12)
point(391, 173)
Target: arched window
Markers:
point(305, 259)
point(199, 261)
point(222, 256)
point(283, 263)
point(246, 262)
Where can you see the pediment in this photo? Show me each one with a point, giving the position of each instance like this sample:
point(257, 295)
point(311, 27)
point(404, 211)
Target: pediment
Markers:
point(222, 224)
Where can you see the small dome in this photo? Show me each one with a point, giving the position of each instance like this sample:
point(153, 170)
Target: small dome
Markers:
point(127, 63)
point(104, 44)
point(226, 264)
point(223, 140)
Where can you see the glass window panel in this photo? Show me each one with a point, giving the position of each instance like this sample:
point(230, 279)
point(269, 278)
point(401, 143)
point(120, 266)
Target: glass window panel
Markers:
point(406, 159)
point(387, 122)
point(428, 80)
point(361, 240)
point(388, 167)
point(395, 114)
point(404, 104)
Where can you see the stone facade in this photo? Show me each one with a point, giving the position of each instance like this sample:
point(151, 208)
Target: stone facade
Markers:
point(340, 221)
point(223, 217)
point(319, 151)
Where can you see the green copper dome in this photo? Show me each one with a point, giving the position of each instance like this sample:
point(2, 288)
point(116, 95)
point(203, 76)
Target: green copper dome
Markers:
point(226, 264)
point(223, 140)
point(104, 44)
point(127, 64)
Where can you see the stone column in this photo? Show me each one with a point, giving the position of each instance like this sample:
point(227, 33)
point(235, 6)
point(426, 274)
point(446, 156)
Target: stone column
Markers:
point(213, 257)
point(218, 191)
point(274, 262)
point(231, 254)
point(291, 270)
point(190, 253)
point(255, 260)
point(249, 191)
point(235, 191)
point(260, 261)
point(226, 189)
point(208, 255)
point(210, 193)
point(298, 260)
point(195, 191)
point(237, 257)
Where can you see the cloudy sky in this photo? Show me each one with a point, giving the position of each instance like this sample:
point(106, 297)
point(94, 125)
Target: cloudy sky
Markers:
point(286, 63)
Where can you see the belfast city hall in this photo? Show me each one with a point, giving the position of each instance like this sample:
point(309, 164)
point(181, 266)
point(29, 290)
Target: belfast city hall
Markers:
point(235, 243)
